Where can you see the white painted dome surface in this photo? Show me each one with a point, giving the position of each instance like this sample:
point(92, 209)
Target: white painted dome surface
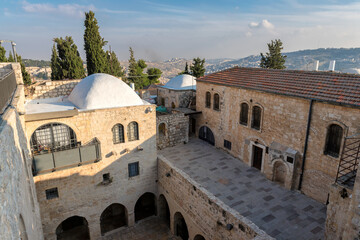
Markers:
point(181, 82)
point(102, 90)
point(352, 70)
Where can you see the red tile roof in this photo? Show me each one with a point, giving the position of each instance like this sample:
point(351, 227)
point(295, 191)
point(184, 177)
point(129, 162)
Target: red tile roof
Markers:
point(332, 87)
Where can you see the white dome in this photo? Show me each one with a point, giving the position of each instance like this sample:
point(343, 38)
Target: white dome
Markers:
point(182, 82)
point(352, 70)
point(101, 90)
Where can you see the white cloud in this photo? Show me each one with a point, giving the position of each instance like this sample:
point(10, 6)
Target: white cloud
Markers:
point(263, 24)
point(67, 9)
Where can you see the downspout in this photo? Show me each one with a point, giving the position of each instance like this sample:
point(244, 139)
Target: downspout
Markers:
point(306, 144)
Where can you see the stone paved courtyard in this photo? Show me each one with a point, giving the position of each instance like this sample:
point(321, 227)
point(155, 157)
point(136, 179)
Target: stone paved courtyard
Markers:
point(281, 213)
point(148, 229)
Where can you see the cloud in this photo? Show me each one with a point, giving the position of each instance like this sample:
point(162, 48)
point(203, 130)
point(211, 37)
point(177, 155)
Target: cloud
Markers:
point(263, 24)
point(66, 9)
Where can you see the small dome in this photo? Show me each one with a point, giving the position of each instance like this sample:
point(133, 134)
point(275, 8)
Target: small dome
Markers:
point(101, 90)
point(352, 70)
point(182, 82)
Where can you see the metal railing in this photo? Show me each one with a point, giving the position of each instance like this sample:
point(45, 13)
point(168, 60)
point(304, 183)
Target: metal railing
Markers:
point(349, 162)
point(7, 88)
point(68, 158)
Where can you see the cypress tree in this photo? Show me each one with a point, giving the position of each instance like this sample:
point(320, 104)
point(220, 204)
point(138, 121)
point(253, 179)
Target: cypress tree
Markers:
point(2, 54)
point(115, 68)
point(55, 65)
point(96, 59)
point(24, 73)
point(273, 59)
point(197, 68)
point(132, 70)
point(186, 71)
point(10, 58)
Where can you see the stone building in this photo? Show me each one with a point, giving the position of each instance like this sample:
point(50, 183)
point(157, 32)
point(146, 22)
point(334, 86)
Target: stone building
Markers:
point(290, 125)
point(179, 92)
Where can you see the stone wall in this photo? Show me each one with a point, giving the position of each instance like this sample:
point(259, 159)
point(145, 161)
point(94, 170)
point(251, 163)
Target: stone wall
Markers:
point(174, 98)
point(5, 67)
point(19, 209)
point(284, 123)
point(176, 129)
point(81, 192)
point(51, 89)
point(204, 214)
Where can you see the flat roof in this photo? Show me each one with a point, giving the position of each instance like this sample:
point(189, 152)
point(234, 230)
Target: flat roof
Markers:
point(46, 105)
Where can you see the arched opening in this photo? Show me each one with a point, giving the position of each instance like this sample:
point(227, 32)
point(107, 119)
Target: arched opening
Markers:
point(73, 228)
point(162, 129)
point(180, 226)
point(164, 211)
point(279, 173)
point(199, 237)
point(208, 99)
point(216, 101)
point(244, 114)
point(133, 131)
point(113, 217)
point(22, 229)
point(145, 206)
point(207, 135)
point(256, 118)
point(118, 133)
point(172, 105)
point(333, 140)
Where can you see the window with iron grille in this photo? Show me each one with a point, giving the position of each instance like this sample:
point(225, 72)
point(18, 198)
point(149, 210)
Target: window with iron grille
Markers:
point(256, 118)
point(216, 101)
point(133, 131)
point(118, 133)
point(244, 110)
point(51, 193)
point(227, 144)
point(333, 140)
point(133, 169)
point(52, 137)
point(208, 99)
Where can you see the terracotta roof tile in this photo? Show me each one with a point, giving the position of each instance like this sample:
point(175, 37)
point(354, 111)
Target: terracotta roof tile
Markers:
point(333, 87)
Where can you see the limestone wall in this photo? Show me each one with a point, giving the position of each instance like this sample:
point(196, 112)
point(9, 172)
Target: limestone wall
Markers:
point(284, 122)
point(204, 214)
point(19, 209)
point(81, 192)
point(180, 99)
point(51, 89)
point(5, 67)
point(176, 129)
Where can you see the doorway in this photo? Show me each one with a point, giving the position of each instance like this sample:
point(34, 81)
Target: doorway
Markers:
point(257, 155)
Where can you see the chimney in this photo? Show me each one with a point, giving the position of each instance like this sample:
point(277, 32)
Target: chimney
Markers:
point(132, 85)
point(332, 66)
point(316, 65)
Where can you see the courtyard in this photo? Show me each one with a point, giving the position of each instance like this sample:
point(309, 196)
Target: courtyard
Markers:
point(281, 213)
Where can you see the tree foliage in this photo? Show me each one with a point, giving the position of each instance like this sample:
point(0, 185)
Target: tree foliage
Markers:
point(24, 73)
point(11, 58)
point(273, 59)
point(198, 68)
point(115, 68)
point(96, 59)
point(186, 70)
point(69, 59)
point(56, 72)
point(2, 54)
point(153, 75)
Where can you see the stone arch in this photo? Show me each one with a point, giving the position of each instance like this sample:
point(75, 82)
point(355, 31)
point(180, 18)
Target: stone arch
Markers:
point(280, 172)
point(74, 227)
point(180, 227)
point(162, 129)
point(207, 135)
point(257, 116)
point(22, 229)
point(145, 206)
point(164, 210)
point(113, 217)
point(330, 125)
point(199, 237)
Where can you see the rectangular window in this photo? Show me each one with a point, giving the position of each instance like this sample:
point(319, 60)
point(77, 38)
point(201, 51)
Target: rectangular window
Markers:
point(133, 169)
point(52, 193)
point(227, 144)
point(106, 177)
point(289, 159)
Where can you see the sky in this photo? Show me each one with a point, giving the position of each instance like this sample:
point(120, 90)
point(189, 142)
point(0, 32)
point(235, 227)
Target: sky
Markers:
point(160, 30)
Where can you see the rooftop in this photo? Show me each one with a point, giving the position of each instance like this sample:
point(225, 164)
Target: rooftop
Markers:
point(281, 213)
point(331, 87)
point(181, 82)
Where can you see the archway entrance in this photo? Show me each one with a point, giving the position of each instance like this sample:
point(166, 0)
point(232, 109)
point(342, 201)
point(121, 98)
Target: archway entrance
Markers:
point(164, 211)
point(180, 226)
point(199, 237)
point(73, 228)
point(113, 217)
point(207, 135)
point(145, 206)
point(279, 173)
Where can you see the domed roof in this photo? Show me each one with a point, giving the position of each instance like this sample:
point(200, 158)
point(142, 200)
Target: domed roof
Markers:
point(352, 70)
point(101, 90)
point(182, 82)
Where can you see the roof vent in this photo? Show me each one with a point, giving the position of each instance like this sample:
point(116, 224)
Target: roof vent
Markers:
point(332, 66)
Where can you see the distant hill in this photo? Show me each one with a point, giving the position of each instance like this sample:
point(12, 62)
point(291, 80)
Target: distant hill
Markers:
point(36, 63)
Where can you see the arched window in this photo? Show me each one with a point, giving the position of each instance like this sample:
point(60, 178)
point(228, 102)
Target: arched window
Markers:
point(216, 101)
point(256, 118)
point(52, 137)
point(208, 99)
point(118, 133)
point(133, 131)
point(333, 140)
point(244, 110)
point(162, 129)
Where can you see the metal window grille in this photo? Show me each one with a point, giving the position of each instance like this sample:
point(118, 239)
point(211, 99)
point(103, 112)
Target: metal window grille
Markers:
point(216, 101)
point(256, 117)
point(133, 169)
point(51, 138)
point(227, 144)
point(208, 99)
point(52, 193)
point(333, 140)
point(244, 114)
point(133, 131)
point(118, 133)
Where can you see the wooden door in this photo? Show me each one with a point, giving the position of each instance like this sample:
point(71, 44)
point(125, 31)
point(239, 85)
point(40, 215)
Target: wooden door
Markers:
point(257, 157)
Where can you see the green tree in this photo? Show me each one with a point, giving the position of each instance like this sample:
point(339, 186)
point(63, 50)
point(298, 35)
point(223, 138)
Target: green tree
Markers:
point(197, 68)
point(10, 58)
point(273, 59)
point(56, 71)
point(96, 58)
point(186, 71)
point(115, 68)
point(69, 58)
point(133, 76)
point(24, 73)
point(2, 54)
point(153, 75)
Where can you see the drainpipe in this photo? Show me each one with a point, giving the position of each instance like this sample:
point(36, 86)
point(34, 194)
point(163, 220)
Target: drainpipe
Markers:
point(306, 144)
